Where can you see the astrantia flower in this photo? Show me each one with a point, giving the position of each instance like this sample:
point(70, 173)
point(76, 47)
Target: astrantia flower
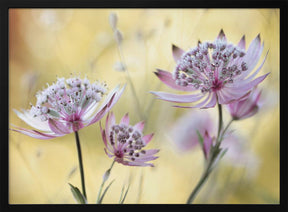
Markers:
point(125, 142)
point(247, 107)
point(67, 106)
point(184, 129)
point(184, 134)
point(215, 71)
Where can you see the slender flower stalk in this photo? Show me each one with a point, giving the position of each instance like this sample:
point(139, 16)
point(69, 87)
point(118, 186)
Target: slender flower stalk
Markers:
point(80, 164)
point(105, 178)
point(220, 122)
point(219, 73)
point(200, 183)
point(195, 128)
point(66, 107)
point(113, 19)
point(210, 159)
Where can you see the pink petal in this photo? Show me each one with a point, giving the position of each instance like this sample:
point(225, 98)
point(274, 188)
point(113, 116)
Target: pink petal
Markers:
point(199, 105)
point(207, 143)
point(242, 43)
point(245, 108)
point(107, 153)
point(139, 126)
point(112, 98)
point(125, 120)
point(36, 134)
point(147, 138)
point(103, 134)
point(246, 86)
point(133, 163)
point(258, 69)
point(177, 98)
point(98, 115)
point(167, 78)
point(251, 112)
point(225, 97)
point(149, 152)
point(253, 53)
point(211, 103)
point(221, 35)
point(177, 53)
point(118, 94)
point(145, 158)
point(58, 128)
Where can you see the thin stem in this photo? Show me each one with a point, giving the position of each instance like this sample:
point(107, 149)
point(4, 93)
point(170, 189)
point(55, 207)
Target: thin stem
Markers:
point(105, 178)
point(128, 77)
point(211, 159)
point(220, 122)
point(199, 184)
point(80, 164)
point(225, 129)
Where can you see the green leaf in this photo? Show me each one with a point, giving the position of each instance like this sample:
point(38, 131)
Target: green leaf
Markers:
point(200, 138)
point(223, 152)
point(78, 195)
point(106, 189)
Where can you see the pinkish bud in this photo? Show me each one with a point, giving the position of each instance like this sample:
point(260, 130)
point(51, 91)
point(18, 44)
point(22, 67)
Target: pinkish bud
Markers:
point(245, 108)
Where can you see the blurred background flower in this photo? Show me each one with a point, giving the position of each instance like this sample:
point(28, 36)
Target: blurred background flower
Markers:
point(49, 43)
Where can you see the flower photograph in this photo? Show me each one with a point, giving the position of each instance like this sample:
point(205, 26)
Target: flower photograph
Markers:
point(144, 106)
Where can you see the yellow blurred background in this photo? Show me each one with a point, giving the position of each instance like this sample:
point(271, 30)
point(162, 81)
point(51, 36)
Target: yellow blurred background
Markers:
point(46, 43)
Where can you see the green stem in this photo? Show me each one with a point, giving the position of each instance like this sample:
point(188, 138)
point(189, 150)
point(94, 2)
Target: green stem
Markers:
point(225, 129)
point(199, 184)
point(220, 123)
point(103, 182)
point(210, 161)
point(80, 164)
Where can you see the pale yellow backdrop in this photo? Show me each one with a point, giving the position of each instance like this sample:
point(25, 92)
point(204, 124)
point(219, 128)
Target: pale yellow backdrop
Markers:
point(46, 43)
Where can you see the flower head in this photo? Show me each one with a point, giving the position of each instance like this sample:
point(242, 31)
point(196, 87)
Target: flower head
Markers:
point(247, 107)
point(216, 71)
point(125, 142)
point(67, 106)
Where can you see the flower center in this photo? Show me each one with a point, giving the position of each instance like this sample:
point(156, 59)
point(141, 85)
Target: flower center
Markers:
point(210, 65)
point(118, 154)
point(67, 99)
point(217, 85)
point(126, 141)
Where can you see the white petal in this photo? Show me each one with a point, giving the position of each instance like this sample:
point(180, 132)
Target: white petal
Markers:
point(34, 122)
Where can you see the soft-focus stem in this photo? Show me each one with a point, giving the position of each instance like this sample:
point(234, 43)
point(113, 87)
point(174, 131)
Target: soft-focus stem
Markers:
point(142, 116)
point(80, 164)
point(211, 159)
point(103, 182)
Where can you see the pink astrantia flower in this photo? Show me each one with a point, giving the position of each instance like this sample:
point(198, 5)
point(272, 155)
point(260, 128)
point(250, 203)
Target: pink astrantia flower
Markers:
point(67, 106)
point(125, 142)
point(184, 130)
point(183, 134)
point(247, 107)
point(214, 71)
